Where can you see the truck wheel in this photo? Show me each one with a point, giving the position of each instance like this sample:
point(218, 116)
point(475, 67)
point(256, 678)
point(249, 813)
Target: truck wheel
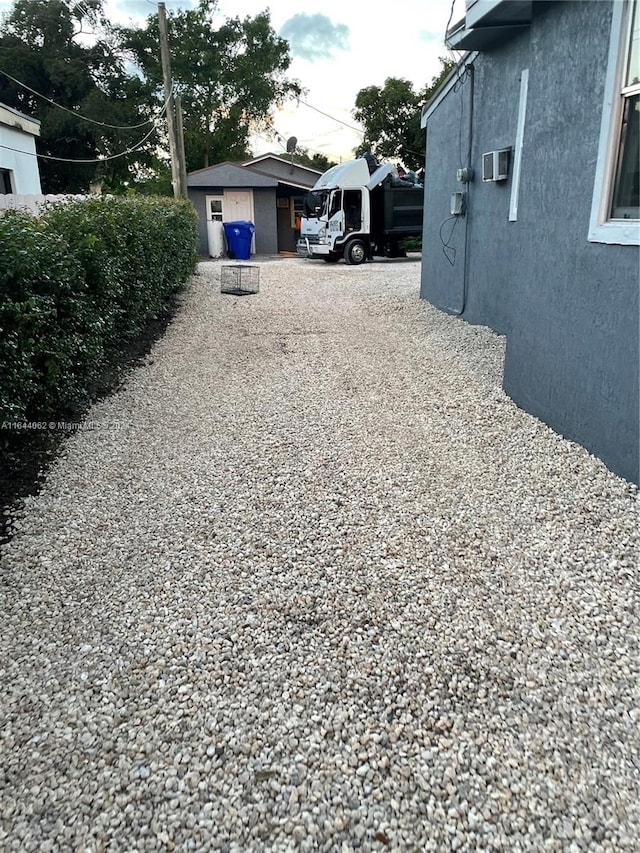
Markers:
point(356, 252)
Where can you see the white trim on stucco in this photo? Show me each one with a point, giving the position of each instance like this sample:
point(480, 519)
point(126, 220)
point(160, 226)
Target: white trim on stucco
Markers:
point(601, 228)
point(517, 161)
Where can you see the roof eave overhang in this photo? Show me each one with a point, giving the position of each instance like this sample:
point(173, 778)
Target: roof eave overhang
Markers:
point(482, 38)
point(19, 121)
point(295, 184)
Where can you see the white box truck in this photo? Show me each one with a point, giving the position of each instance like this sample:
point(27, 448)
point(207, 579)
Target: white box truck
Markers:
point(358, 210)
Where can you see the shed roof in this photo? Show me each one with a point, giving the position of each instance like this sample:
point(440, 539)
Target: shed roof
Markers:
point(230, 174)
point(265, 160)
point(246, 176)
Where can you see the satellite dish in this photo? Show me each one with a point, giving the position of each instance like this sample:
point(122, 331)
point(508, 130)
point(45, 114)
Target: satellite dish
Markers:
point(291, 144)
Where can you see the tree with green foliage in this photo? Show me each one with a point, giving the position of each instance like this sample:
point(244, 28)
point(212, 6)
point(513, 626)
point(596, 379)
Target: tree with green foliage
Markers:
point(66, 54)
point(316, 161)
point(390, 116)
point(228, 77)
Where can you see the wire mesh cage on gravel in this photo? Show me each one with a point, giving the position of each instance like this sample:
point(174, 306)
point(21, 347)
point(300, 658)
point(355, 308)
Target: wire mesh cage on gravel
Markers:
point(240, 279)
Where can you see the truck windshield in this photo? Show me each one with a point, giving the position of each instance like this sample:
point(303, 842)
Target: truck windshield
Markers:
point(314, 203)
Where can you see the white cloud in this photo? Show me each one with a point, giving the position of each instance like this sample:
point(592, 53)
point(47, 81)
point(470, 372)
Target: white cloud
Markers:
point(354, 45)
point(315, 36)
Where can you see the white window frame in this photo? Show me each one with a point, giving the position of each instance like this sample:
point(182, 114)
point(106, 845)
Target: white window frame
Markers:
point(208, 200)
point(11, 180)
point(603, 229)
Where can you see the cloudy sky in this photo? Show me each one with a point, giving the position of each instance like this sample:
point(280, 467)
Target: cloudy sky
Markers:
point(338, 48)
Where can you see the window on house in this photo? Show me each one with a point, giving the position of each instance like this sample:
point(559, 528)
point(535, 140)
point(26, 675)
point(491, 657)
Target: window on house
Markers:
point(626, 192)
point(615, 212)
point(6, 184)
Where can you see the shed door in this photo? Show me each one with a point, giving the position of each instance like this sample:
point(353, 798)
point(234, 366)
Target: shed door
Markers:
point(238, 206)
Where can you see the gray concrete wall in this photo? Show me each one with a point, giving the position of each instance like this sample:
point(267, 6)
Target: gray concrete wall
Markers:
point(264, 208)
point(568, 307)
point(198, 198)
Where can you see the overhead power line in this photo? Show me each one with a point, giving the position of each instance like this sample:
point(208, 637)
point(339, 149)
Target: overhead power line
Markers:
point(269, 136)
point(333, 118)
point(74, 113)
point(130, 150)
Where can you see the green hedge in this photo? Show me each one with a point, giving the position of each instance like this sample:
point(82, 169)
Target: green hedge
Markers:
point(75, 284)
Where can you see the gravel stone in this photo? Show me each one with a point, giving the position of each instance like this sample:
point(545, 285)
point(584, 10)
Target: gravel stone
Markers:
point(316, 583)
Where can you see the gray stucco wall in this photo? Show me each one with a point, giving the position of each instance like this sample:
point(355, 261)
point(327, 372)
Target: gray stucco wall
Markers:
point(198, 198)
point(568, 307)
point(264, 208)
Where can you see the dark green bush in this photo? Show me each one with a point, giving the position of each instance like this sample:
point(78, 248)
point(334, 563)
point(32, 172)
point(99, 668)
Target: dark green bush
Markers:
point(75, 284)
point(411, 244)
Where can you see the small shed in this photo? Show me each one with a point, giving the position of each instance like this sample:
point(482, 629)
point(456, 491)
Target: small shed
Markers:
point(267, 190)
point(18, 162)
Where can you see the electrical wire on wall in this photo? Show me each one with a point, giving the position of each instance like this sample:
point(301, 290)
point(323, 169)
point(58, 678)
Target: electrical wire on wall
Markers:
point(446, 29)
point(465, 266)
point(448, 250)
point(462, 78)
point(465, 74)
point(462, 73)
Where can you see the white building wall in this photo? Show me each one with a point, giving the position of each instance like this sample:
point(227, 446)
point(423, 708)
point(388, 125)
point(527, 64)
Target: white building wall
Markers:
point(19, 157)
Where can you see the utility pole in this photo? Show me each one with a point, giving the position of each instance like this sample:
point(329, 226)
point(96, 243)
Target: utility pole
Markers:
point(179, 189)
point(180, 135)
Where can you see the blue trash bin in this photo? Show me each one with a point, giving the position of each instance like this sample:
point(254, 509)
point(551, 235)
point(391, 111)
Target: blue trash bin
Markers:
point(239, 236)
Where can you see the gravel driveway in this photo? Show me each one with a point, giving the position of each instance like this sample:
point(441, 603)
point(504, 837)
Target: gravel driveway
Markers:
point(313, 582)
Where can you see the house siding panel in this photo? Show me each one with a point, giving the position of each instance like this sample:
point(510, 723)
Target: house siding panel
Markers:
point(19, 158)
point(568, 307)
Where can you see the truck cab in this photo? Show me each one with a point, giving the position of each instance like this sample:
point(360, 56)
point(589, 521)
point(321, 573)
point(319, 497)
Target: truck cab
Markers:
point(349, 214)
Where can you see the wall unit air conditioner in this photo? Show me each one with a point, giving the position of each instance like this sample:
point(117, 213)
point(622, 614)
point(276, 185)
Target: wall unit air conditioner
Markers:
point(495, 165)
